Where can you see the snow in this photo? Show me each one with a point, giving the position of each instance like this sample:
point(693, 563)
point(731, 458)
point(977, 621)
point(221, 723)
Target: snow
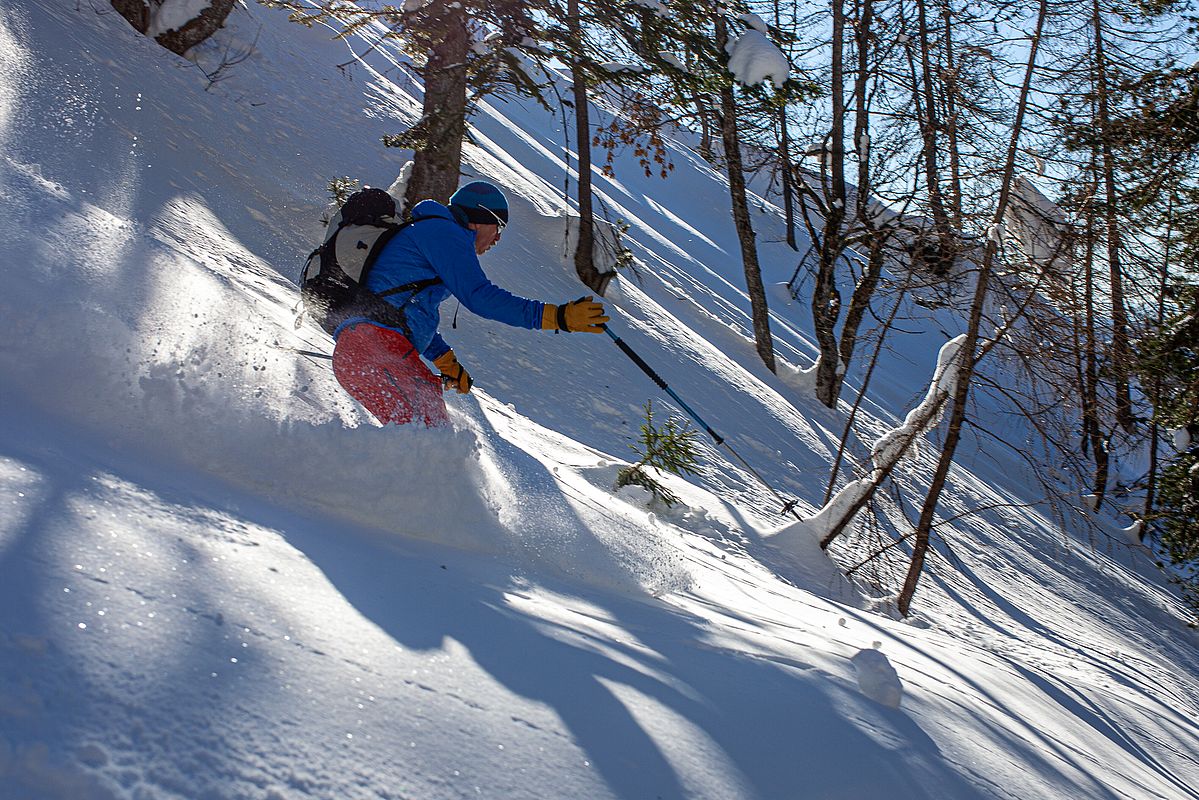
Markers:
point(618, 67)
point(654, 5)
point(673, 60)
point(1134, 532)
point(995, 233)
point(1038, 225)
point(889, 448)
point(877, 678)
point(532, 45)
point(174, 14)
point(220, 579)
point(753, 59)
point(755, 22)
point(399, 187)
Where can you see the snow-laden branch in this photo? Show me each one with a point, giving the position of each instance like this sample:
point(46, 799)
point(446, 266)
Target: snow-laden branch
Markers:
point(893, 445)
point(753, 58)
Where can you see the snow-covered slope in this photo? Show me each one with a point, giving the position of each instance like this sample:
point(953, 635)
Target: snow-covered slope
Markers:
point(218, 579)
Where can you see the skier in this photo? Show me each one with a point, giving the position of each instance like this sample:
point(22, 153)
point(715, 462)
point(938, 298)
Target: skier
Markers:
point(376, 357)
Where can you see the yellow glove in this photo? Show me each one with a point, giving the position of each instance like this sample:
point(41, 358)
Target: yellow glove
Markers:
point(584, 315)
point(452, 373)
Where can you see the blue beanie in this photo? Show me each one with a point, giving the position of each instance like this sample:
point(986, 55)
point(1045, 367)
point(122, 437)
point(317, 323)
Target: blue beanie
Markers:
point(480, 202)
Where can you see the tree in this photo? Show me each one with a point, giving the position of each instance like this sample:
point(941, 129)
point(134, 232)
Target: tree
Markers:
point(574, 40)
point(737, 192)
point(1171, 357)
point(970, 353)
point(585, 244)
point(1121, 353)
point(670, 448)
point(704, 85)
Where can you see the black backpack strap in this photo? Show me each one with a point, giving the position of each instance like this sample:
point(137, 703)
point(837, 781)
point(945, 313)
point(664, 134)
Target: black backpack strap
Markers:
point(380, 243)
point(377, 248)
point(373, 305)
point(415, 287)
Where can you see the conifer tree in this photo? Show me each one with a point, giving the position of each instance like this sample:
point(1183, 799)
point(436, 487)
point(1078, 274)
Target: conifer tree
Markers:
point(577, 28)
point(704, 32)
point(1170, 358)
point(670, 448)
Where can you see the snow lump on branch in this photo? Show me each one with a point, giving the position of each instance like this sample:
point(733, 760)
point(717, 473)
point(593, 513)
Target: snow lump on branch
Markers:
point(673, 60)
point(653, 5)
point(617, 68)
point(753, 58)
point(172, 15)
point(752, 20)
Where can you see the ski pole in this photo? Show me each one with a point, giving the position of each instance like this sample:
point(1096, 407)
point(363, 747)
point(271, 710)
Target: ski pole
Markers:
point(310, 353)
point(299, 351)
point(788, 505)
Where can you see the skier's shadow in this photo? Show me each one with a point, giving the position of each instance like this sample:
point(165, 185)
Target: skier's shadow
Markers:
point(627, 699)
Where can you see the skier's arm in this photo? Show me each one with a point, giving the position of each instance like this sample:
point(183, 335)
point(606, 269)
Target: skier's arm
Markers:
point(459, 268)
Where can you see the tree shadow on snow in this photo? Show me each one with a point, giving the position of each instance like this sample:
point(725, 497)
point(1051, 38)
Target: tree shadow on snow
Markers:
point(813, 737)
point(82, 683)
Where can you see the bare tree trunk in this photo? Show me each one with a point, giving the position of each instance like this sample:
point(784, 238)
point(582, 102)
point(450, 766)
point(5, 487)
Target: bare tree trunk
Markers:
point(585, 246)
point(879, 477)
point(1156, 390)
point(785, 162)
point(737, 192)
point(951, 119)
point(859, 301)
point(836, 355)
point(1121, 361)
point(880, 473)
point(929, 123)
point(135, 12)
point(705, 130)
point(863, 292)
point(788, 178)
point(826, 299)
point(1092, 425)
point(967, 365)
point(437, 162)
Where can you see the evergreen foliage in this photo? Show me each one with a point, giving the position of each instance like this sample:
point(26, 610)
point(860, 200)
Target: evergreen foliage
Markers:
point(1171, 357)
point(340, 189)
point(670, 448)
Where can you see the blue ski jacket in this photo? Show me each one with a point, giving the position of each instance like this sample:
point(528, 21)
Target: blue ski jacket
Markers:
point(439, 246)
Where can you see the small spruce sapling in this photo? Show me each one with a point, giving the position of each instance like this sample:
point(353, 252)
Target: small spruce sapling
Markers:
point(340, 190)
point(670, 448)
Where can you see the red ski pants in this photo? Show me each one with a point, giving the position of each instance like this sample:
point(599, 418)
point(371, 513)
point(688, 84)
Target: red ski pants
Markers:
point(381, 369)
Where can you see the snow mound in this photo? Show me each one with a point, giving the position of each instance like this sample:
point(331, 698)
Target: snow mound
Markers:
point(877, 679)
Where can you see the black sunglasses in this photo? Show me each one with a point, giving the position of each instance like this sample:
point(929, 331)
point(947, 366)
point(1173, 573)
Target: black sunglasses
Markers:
point(498, 221)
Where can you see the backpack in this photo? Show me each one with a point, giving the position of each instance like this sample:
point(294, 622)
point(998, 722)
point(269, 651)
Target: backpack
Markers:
point(332, 284)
